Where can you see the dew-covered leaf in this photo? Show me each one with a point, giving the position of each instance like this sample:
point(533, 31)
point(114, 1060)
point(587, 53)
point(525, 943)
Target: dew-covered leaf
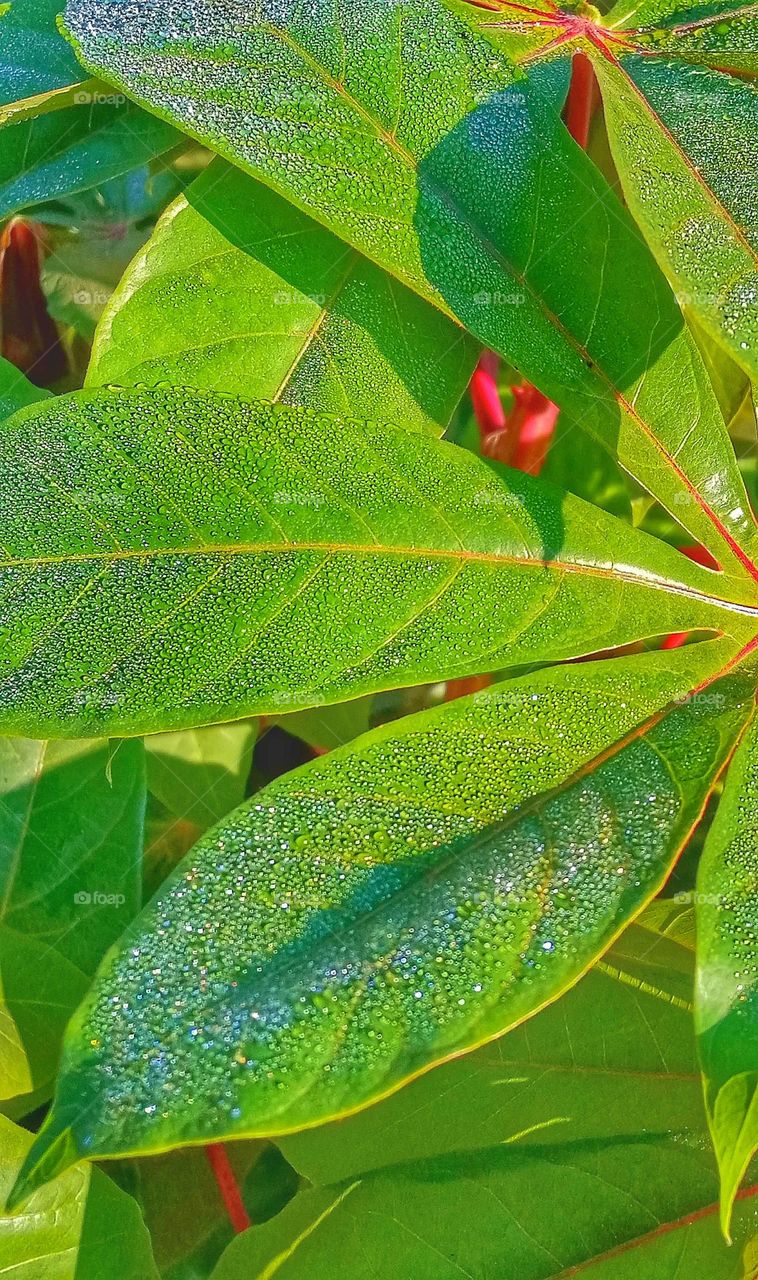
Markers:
point(404, 131)
point(614, 1057)
point(398, 902)
point(727, 1005)
point(286, 312)
point(175, 558)
point(685, 142)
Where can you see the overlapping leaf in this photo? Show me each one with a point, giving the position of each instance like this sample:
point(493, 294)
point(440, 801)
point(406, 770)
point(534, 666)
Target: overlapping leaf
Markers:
point(57, 133)
point(84, 1226)
point(16, 391)
point(727, 1008)
point(71, 822)
point(639, 1208)
point(176, 558)
point(403, 900)
point(404, 131)
point(683, 136)
point(287, 313)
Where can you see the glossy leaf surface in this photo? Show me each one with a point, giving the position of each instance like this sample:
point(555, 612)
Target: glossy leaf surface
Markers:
point(372, 914)
point(175, 558)
point(287, 313)
point(83, 1226)
point(70, 881)
point(397, 126)
point(727, 1008)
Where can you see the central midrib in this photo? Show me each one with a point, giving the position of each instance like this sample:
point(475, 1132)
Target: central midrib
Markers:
point(640, 578)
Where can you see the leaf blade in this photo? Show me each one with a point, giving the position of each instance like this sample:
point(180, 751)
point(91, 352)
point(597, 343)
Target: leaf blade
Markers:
point(364, 945)
point(191, 555)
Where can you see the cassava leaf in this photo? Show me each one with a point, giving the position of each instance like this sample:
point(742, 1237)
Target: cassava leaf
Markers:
point(71, 149)
point(84, 1226)
point(631, 1209)
point(287, 312)
point(174, 558)
point(727, 1006)
point(614, 1057)
point(379, 911)
point(70, 880)
point(684, 140)
point(723, 33)
point(400, 128)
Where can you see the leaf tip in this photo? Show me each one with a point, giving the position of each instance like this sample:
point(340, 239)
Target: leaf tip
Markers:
point(52, 1153)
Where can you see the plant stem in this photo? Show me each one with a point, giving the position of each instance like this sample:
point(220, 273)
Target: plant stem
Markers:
point(580, 103)
point(228, 1185)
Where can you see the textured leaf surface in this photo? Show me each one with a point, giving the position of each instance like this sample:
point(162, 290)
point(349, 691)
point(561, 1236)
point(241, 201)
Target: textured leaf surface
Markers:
point(727, 1008)
point(633, 1209)
point(723, 33)
point(405, 899)
point(70, 880)
point(613, 1057)
point(34, 59)
point(82, 1227)
point(53, 155)
point(287, 312)
point(403, 130)
point(175, 558)
point(685, 141)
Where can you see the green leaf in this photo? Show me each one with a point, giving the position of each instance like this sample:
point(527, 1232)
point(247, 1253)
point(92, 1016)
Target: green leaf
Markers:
point(16, 391)
point(684, 142)
point(404, 131)
point(70, 880)
point(723, 33)
point(401, 901)
point(34, 58)
point(74, 148)
point(614, 1057)
point(286, 313)
point(200, 774)
point(727, 1005)
point(177, 558)
point(82, 1227)
point(630, 1209)
point(57, 134)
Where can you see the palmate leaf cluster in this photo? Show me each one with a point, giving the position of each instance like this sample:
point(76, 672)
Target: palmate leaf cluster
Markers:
point(242, 518)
